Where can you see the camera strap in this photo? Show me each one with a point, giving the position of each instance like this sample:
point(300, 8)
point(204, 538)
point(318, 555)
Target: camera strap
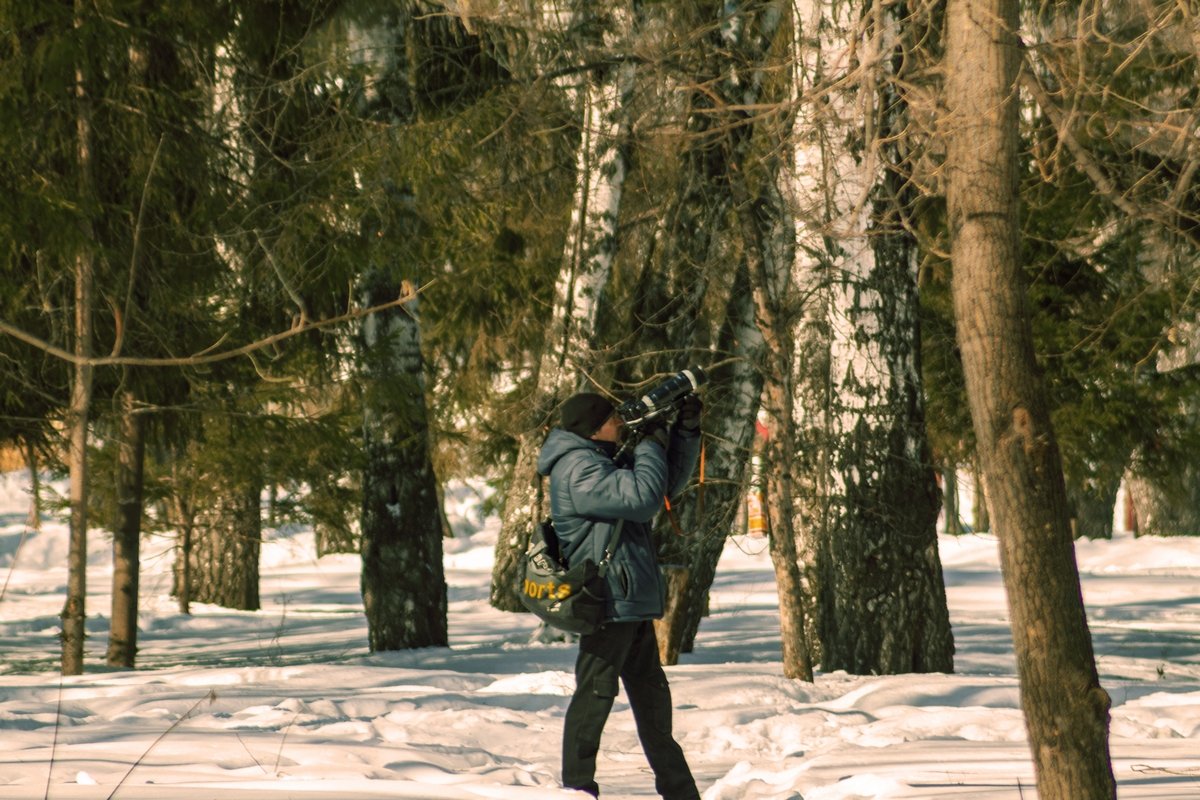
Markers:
point(610, 548)
point(613, 540)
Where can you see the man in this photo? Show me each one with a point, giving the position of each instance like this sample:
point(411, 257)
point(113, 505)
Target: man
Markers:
point(590, 497)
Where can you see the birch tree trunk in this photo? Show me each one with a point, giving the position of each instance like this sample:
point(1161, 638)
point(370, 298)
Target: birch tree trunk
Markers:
point(1066, 710)
point(870, 527)
point(403, 579)
point(74, 611)
point(127, 535)
point(591, 246)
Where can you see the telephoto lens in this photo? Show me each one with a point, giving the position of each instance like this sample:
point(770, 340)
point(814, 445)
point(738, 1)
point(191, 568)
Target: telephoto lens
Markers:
point(661, 398)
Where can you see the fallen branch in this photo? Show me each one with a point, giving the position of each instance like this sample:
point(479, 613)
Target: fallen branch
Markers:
point(210, 697)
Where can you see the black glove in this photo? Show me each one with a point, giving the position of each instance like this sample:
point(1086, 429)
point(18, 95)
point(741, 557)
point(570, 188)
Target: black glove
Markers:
point(689, 413)
point(657, 431)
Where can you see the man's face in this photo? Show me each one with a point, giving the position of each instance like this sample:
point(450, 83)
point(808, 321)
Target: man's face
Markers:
point(611, 430)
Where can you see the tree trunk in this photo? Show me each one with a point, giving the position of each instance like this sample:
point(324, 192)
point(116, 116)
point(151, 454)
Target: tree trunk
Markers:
point(872, 524)
point(979, 509)
point(767, 223)
point(1093, 503)
point(524, 506)
point(127, 534)
point(952, 519)
point(184, 521)
point(763, 349)
point(587, 265)
point(223, 559)
point(1167, 505)
point(718, 131)
point(1066, 710)
point(795, 609)
point(74, 613)
point(403, 579)
point(676, 579)
point(35, 488)
point(707, 514)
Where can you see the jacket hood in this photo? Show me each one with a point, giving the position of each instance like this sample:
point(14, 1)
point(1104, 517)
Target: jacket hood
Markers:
point(558, 443)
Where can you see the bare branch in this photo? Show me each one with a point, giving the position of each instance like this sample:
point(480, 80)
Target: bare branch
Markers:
point(296, 298)
point(206, 356)
point(1082, 157)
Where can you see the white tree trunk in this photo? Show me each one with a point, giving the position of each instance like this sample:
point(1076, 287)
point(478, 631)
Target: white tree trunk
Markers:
point(592, 238)
point(867, 519)
point(568, 353)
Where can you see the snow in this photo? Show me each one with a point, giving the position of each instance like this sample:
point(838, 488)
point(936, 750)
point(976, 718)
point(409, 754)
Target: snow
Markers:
point(287, 702)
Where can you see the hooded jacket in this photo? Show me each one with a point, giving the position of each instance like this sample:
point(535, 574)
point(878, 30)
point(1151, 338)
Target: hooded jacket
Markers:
point(589, 493)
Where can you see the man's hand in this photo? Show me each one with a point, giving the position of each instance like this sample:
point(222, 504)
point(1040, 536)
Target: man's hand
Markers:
point(689, 413)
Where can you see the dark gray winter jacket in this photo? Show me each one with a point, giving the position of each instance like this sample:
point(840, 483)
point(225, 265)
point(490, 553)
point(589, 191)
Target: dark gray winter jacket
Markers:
point(589, 493)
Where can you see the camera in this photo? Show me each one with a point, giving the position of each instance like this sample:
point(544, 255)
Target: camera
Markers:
point(640, 411)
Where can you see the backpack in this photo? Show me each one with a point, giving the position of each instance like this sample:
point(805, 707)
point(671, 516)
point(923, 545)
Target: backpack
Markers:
point(570, 598)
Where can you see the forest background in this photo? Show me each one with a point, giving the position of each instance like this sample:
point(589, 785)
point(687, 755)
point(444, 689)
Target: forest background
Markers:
point(362, 248)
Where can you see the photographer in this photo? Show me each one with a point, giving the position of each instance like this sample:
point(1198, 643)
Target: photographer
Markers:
point(590, 496)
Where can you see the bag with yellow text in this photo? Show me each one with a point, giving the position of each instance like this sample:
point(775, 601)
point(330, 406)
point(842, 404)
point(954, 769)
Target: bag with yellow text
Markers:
point(568, 598)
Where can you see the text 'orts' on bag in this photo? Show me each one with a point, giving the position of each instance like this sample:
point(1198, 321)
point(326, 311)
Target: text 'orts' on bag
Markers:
point(570, 599)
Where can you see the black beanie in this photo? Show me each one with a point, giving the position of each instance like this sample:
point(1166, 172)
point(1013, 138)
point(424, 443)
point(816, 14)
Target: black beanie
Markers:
point(584, 413)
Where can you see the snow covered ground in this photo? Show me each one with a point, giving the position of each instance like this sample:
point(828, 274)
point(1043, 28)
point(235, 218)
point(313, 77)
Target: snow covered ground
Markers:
point(288, 703)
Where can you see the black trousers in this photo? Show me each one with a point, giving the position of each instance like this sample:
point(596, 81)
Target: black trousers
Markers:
point(627, 650)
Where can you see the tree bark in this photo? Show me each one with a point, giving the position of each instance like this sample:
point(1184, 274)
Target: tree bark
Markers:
point(767, 223)
point(224, 553)
point(1167, 505)
point(980, 517)
point(127, 534)
point(1093, 503)
point(676, 578)
point(183, 516)
point(868, 517)
point(403, 579)
point(795, 609)
point(35, 487)
point(1066, 710)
